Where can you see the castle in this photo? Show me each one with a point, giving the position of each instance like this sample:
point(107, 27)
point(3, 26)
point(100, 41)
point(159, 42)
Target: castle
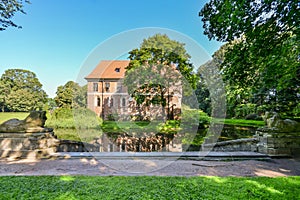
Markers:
point(108, 97)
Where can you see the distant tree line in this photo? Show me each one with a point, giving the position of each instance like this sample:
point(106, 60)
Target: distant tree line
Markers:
point(21, 91)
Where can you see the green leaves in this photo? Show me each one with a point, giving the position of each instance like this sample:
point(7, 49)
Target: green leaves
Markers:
point(262, 54)
point(71, 95)
point(8, 8)
point(159, 69)
point(20, 90)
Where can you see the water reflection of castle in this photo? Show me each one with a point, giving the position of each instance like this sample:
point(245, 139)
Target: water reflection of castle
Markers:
point(125, 143)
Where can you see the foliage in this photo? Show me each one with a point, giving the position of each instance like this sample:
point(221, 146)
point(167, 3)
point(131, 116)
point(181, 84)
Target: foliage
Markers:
point(50, 105)
point(83, 135)
point(20, 90)
point(80, 118)
point(158, 69)
point(157, 86)
point(196, 117)
point(243, 110)
point(210, 89)
point(160, 49)
point(71, 95)
point(8, 8)
point(262, 57)
point(148, 187)
point(203, 96)
point(227, 20)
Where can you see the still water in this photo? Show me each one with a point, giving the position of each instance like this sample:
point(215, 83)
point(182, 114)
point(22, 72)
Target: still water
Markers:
point(150, 141)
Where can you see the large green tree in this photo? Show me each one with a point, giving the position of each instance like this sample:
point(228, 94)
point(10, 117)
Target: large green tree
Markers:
point(71, 95)
point(8, 8)
point(154, 70)
point(160, 49)
point(20, 90)
point(263, 55)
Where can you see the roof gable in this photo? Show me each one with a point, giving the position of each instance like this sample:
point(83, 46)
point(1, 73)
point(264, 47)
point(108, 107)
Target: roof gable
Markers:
point(109, 69)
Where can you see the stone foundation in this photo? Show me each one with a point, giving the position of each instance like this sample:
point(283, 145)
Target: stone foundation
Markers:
point(25, 145)
point(267, 141)
point(244, 144)
point(76, 146)
point(276, 143)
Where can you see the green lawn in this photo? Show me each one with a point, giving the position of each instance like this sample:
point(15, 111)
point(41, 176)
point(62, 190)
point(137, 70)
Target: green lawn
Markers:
point(4, 116)
point(140, 187)
point(242, 122)
point(171, 126)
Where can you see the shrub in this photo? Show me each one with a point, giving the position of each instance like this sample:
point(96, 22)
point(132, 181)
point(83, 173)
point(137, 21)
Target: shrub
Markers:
point(81, 118)
point(195, 117)
point(245, 109)
point(296, 111)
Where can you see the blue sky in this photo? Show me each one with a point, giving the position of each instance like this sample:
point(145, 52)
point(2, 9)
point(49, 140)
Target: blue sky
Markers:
point(58, 36)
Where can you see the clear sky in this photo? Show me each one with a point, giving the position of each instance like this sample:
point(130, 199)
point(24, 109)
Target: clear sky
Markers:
point(59, 35)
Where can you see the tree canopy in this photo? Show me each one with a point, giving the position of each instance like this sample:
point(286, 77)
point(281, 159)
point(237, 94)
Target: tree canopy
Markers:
point(8, 8)
point(71, 95)
point(262, 54)
point(160, 49)
point(156, 69)
point(20, 90)
point(226, 20)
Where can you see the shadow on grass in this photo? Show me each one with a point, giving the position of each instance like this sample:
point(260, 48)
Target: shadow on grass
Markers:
point(117, 187)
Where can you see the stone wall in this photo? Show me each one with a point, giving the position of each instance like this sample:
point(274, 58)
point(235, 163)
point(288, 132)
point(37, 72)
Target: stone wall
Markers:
point(16, 145)
point(76, 146)
point(244, 144)
point(277, 143)
point(272, 142)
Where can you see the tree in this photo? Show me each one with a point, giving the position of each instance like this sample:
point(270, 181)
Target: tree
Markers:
point(154, 70)
point(50, 105)
point(71, 95)
point(154, 85)
point(8, 8)
point(160, 49)
point(263, 56)
point(20, 90)
point(210, 79)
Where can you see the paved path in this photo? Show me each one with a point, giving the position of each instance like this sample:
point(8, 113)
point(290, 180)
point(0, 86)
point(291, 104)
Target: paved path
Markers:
point(149, 166)
point(161, 155)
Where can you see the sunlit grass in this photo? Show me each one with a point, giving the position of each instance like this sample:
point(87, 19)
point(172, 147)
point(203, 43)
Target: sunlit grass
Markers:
point(4, 116)
point(132, 187)
point(170, 126)
point(241, 122)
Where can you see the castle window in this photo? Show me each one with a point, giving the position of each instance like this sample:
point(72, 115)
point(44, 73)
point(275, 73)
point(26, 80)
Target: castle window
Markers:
point(117, 70)
point(95, 87)
point(110, 102)
point(98, 101)
point(107, 85)
point(123, 102)
point(119, 87)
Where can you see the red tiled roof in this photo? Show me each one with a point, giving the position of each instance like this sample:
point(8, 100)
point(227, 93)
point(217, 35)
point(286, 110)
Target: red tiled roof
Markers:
point(108, 69)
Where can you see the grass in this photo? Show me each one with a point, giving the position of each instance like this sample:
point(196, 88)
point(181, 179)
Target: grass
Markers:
point(242, 122)
point(4, 116)
point(140, 187)
point(171, 126)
